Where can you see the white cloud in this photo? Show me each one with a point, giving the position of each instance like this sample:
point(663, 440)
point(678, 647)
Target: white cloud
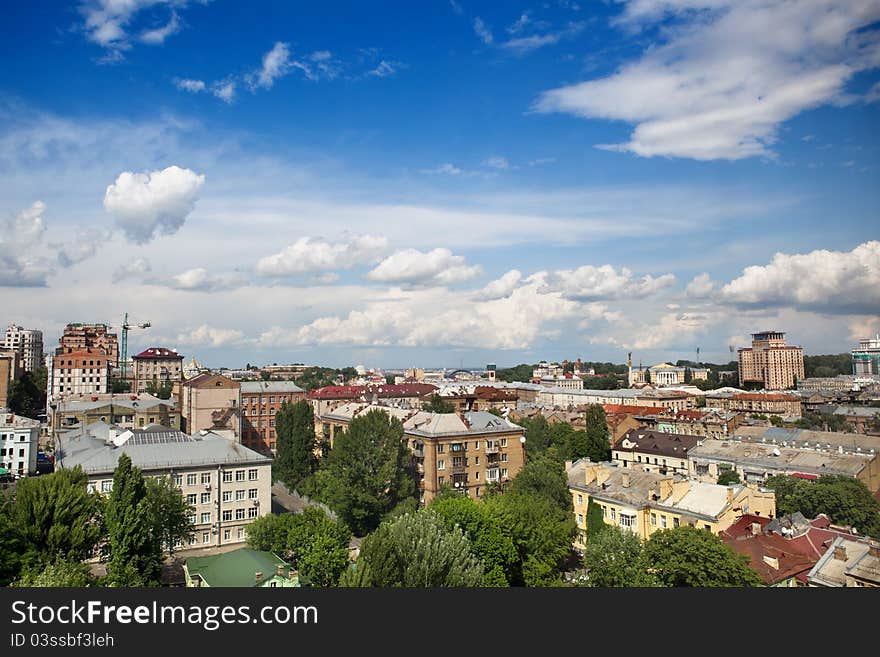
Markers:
point(821, 281)
point(673, 330)
point(276, 64)
point(384, 69)
point(159, 34)
point(729, 74)
point(483, 31)
point(206, 335)
point(106, 22)
point(605, 282)
point(445, 169)
point(497, 162)
point(20, 266)
point(873, 94)
point(700, 287)
point(525, 45)
point(200, 280)
point(520, 24)
point(82, 247)
point(145, 204)
point(309, 254)
point(133, 269)
point(224, 90)
point(414, 267)
point(501, 287)
point(192, 86)
point(456, 7)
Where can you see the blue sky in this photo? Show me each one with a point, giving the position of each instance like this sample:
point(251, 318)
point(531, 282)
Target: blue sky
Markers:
point(443, 182)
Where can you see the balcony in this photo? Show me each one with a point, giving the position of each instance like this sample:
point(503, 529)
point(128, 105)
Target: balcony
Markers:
point(494, 449)
point(493, 475)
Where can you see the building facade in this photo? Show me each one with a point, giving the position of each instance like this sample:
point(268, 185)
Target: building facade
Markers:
point(654, 451)
point(212, 402)
point(156, 367)
point(90, 336)
point(760, 403)
point(80, 372)
point(28, 342)
point(124, 410)
point(770, 362)
point(665, 374)
point(19, 438)
point(866, 359)
point(260, 401)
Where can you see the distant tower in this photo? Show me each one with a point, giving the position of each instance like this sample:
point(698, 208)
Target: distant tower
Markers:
point(490, 370)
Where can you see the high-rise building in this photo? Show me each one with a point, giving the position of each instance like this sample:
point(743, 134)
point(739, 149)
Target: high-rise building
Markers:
point(97, 336)
point(770, 362)
point(27, 342)
point(866, 359)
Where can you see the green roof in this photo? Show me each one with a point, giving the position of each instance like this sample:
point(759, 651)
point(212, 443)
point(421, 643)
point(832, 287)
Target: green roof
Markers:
point(236, 568)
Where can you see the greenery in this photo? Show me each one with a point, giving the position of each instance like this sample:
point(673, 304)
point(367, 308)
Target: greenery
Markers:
point(313, 543)
point(828, 365)
point(598, 434)
point(729, 478)
point(614, 557)
point(847, 501)
point(566, 442)
point(11, 545)
point(118, 386)
point(595, 521)
point(608, 382)
point(171, 513)
point(135, 552)
point(320, 377)
point(162, 391)
point(417, 550)
point(687, 556)
point(521, 373)
point(823, 422)
point(438, 405)
point(295, 432)
point(61, 573)
point(27, 394)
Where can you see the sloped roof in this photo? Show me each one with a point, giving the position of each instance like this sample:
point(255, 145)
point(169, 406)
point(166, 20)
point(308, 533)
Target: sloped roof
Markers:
point(236, 568)
point(252, 387)
point(157, 353)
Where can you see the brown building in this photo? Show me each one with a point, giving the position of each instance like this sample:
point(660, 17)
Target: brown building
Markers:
point(157, 366)
point(654, 451)
point(711, 423)
point(770, 362)
point(761, 403)
point(211, 402)
point(10, 370)
point(260, 401)
point(478, 398)
point(94, 336)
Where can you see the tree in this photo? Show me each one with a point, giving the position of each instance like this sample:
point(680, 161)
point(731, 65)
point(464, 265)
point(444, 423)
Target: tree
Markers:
point(417, 550)
point(614, 558)
point(119, 386)
point(11, 546)
point(538, 434)
point(56, 517)
point(162, 391)
point(544, 476)
point(521, 373)
point(295, 435)
point(687, 556)
point(370, 470)
point(438, 405)
point(135, 553)
point(357, 575)
point(27, 394)
point(595, 520)
point(728, 478)
point(62, 573)
point(171, 513)
point(776, 421)
point(598, 434)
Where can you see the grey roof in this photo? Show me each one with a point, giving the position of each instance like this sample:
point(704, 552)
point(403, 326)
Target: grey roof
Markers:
point(269, 387)
point(141, 403)
point(11, 420)
point(450, 424)
point(850, 442)
point(829, 571)
point(157, 448)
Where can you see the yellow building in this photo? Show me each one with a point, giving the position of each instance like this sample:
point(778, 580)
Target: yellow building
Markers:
point(645, 502)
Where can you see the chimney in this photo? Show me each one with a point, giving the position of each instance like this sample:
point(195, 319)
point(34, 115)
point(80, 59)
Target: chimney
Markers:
point(258, 577)
point(840, 552)
point(624, 479)
point(279, 570)
point(730, 494)
point(874, 549)
point(602, 475)
point(756, 528)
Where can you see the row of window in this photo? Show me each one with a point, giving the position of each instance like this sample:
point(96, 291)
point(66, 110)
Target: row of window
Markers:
point(206, 537)
point(463, 446)
point(12, 452)
point(92, 363)
point(194, 479)
point(462, 462)
point(204, 518)
point(11, 437)
point(205, 498)
point(441, 479)
point(70, 388)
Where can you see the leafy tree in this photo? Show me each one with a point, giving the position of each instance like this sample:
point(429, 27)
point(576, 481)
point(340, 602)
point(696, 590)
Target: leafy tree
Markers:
point(595, 520)
point(370, 470)
point(614, 558)
point(598, 434)
point(162, 391)
point(27, 394)
point(728, 478)
point(118, 386)
point(56, 517)
point(62, 573)
point(544, 477)
point(357, 575)
point(171, 513)
point(521, 373)
point(438, 405)
point(538, 434)
point(495, 411)
point(11, 546)
point(776, 421)
point(687, 556)
point(602, 383)
point(828, 365)
point(417, 550)
point(135, 552)
point(295, 432)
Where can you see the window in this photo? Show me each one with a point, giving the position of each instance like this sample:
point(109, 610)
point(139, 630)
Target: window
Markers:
point(252, 494)
point(477, 460)
point(476, 444)
point(663, 522)
point(675, 522)
point(227, 476)
point(239, 475)
point(613, 514)
point(239, 495)
point(457, 461)
point(106, 486)
point(440, 449)
point(191, 480)
point(627, 521)
point(707, 527)
point(504, 442)
point(580, 499)
point(227, 496)
point(653, 520)
point(252, 512)
point(206, 537)
point(504, 457)
point(580, 518)
point(254, 410)
point(227, 534)
point(205, 518)
point(441, 464)
point(206, 498)
point(271, 400)
point(503, 472)
point(191, 499)
point(206, 478)
point(227, 515)
point(477, 475)
point(239, 514)
point(252, 475)
point(192, 540)
point(241, 532)
point(177, 480)
point(440, 480)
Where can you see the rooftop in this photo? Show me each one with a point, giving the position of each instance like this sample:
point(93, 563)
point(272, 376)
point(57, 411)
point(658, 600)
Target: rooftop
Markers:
point(8, 419)
point(857, 561)
point(255, 387)
point(648, 441)
point(450, 424)
point(236, 568)
point(139, 402)
point(158, 352)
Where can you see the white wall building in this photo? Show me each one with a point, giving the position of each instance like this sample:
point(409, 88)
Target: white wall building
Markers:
point(27, 342)
point(19, 444)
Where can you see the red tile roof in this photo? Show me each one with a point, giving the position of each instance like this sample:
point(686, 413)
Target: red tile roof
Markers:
point(743, 527)
point(759, 549)
point(382, 391)
point(623, 409)
point(758, 396)
point(158, 352)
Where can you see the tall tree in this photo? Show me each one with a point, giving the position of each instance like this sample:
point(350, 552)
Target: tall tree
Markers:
point(11, 546)
point(544, 476)
point(135, 553)
point(598, 434)
point(438, 405)
point(58, 574)
point(27, 394)
point(370, 470)
point(171, 513)
point(417, 550)
point(595, 521)
point(295, 431)
point(687, 556)
point(614, 558)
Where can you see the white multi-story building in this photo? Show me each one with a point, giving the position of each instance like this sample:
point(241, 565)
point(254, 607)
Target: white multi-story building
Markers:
point(27, 342)
point(19, 438)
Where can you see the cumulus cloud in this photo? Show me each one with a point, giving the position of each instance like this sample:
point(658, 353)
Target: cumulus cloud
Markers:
point(674, 330)
point(20, 265)
point(483, 31)
point(192, 86)
point(108, 22)
point(136, 268)
point(209, 336)
point(501, 287)
point(82, 247)
point(414, 267)
point(605, 282)
point(700, 287)
point(770, 60)
point(821, 281)
point(200, 280)
point(310, 254)
point(145, 204)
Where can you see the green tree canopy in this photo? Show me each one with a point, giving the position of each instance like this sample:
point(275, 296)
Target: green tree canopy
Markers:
point(27, 394)
point(11, 545)
point(171, 513)
point(728, 478)
point(438, 405)
point(598, 446)
point(614, 558)
point(595, 521)
point(62, 573)
point(295, 432)
point(521, 373)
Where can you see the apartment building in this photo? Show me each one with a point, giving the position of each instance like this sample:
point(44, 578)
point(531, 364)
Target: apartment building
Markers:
point(866, 359)
point(328, 425)
point(565, 398)
point(10, 370)
point(79, 371)
point(125, 410)
point(645, 502)
point(566, 381)
point(225, 484)
point(89, 336)
point(477, 397)
point(654, 451)
point(849, 562)
point(19, 438)
point(260, 401)
point(27, 342)
point(212, 402)
point(156, 367)
point(711, 423)
point(408, 395)
point(762, 403)
point(770, 362)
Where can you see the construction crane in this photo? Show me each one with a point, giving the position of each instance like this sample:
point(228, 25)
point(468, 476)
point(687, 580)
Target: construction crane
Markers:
point(125, 328)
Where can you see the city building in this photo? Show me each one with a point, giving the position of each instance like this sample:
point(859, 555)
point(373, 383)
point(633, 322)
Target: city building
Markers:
point(837, 441)
point(338, 418)
point(125, 410)
point(666, 374)
point(770, 362)
point(654, 451)
point(79, 371)
point(563, 398)
point(565, 381)
point(708, 423)
point(638, 375)
point(241, 568)
point(621, 418)
point(866, 359)
point(848, 563)
point(842, 383)
point(260, 401)
point(470, 397)
point(156, 367)
point(698, 373)
point(27, 342)
point(10, 370)
point(409, 395)
point(19, 438)
point(786, 406)
point(226, 485)
point(755, 462)
point(645, 502)
point(212, 402)
point(89, 336)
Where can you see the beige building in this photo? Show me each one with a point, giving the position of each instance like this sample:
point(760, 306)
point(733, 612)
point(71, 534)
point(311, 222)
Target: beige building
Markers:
point(90, 336)
point(562, 398)
point(848, 563)
point(79, 372)
point(654, 451)
point(157, 366)
point(707, 423)
point(760, 403)
point(125, 410)
point(212, 402)
point(666, 374)
point(770, 362)
point(645, 502)
point(10, 370)
point(27, 342)
point(226, 485)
